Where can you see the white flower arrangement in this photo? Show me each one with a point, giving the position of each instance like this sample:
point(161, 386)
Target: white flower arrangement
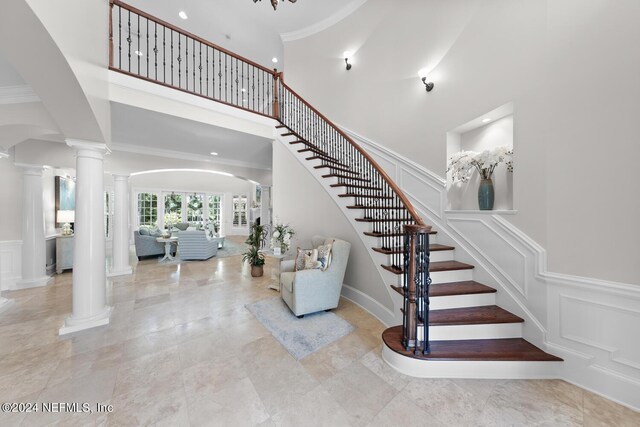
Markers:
point(281, 236)
point(462, 164)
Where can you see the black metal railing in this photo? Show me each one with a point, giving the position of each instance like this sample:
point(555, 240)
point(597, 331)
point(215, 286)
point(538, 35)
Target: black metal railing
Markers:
point(149, 48)
point(415, 330)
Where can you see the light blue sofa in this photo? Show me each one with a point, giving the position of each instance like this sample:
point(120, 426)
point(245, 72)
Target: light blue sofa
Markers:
point(193, 244)
point(147, 245)
point(308, 291)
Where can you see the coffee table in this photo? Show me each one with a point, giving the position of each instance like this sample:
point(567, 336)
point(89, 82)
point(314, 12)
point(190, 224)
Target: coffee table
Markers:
point(168, 241)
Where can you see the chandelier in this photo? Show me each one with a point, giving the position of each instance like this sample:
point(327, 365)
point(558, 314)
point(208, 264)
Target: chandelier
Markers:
point(274, 3)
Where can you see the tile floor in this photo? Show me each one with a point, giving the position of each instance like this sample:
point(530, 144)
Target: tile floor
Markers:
point(182, 350)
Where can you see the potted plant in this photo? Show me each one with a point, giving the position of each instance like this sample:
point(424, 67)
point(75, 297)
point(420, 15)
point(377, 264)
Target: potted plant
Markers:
point(462, 165)
point(256, 260)
point(281, 238)
point(256, 240)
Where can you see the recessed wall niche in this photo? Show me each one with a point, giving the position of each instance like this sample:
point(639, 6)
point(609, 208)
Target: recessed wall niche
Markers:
point(487, 131)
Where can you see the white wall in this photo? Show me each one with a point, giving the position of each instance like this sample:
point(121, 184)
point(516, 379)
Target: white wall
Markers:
point(300, 201)
point(463, 195)
point(11, 195)
point(572, 70)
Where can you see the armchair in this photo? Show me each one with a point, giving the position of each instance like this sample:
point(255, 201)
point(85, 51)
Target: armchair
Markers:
point(147, 245)
point(193, 244)
point(308, 291)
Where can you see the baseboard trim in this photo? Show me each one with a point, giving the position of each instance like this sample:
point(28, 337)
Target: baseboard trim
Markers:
point(373, 307)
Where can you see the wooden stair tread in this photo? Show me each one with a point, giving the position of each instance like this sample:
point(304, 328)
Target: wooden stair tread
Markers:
point(325, 159)
point(365, 196)
point(465, 287)
point(377, 207)
point(382, 220)
point(289, 134)
point(481, 315)
point(503, 349)
point(434, 247)
point(353, 178)
point(281, 126)
point(435, 267)
point(377, 234)
point(363, 187)
point(336, 168)
point(298, 142)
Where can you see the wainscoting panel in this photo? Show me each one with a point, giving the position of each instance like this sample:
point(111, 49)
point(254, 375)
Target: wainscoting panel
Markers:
point(592, 324)
point(10, 263)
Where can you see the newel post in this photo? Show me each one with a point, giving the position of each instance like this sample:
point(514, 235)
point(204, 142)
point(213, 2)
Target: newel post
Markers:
point(415, 325)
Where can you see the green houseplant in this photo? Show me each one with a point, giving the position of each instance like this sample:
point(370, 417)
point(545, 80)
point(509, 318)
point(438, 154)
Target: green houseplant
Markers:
point(256, 240)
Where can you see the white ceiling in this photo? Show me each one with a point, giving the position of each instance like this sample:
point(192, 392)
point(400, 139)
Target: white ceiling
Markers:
point(253, 30)
point(8, 75)
point(151, 130)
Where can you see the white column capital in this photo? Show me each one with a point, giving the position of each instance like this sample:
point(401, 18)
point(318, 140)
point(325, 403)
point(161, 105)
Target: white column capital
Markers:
point(29, 169)
point(95, 150)
point(120, 177)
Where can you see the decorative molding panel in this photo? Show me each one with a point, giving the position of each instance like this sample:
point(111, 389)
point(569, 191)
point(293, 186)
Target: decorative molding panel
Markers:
point(590, 323)
point(10, 264)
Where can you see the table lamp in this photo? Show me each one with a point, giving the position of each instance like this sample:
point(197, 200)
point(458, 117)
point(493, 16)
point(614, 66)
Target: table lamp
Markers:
point(66, 217)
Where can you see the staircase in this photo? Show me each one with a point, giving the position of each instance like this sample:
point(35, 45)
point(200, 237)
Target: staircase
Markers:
point(464, 322)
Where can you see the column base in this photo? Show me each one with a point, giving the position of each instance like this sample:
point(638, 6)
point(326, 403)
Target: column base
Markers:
point(34, 283)
point(5, 304)
point(72, 324)
point(123, 272)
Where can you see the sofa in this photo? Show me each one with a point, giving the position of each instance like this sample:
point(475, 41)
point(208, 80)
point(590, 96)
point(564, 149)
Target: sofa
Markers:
point(146, 244)
point(194, 244)
point(308, 291)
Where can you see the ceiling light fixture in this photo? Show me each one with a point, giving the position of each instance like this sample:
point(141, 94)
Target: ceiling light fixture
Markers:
point(274, 60)
point(213, 153)
point(274, 3)
point(182, 14)
point(486, 120)
point(137, 52)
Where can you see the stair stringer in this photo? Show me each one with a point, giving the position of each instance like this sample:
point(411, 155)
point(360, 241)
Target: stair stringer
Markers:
point(382, 313)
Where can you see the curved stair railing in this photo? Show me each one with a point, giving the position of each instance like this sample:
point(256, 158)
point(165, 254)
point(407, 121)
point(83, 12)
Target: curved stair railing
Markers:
point(145, 47)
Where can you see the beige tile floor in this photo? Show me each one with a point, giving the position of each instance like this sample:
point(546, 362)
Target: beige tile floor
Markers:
point(182, 350)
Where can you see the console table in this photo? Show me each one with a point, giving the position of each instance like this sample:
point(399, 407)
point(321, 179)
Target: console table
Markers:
point(64, 253)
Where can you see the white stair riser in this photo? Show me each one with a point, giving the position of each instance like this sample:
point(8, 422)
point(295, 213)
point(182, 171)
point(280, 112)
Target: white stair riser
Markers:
point(451, 276)
point(436, 256)
point(459, 301)
point(466, 369)
point(474, 332)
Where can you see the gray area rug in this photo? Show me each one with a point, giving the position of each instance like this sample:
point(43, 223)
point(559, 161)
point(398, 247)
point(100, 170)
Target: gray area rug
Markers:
point(300, 337)
point(231, 248)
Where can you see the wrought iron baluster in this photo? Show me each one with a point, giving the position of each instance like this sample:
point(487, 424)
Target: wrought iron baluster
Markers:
point(179, 60)
point(200, 64)
point(186, 62)
point(129, 39)
point(225, 77)
point(207, 51)
point(155, 49)
point(147, 51)
point(119, 37)
point(193, 64)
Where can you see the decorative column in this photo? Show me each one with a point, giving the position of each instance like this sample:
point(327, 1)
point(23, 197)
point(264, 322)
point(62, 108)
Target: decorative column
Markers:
point(34, 263)
point(90, 307)
point(120, 259)
point(4, 302)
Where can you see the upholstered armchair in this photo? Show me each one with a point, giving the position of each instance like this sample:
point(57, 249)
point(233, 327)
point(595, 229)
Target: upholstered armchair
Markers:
point(194, 244)
point(146, 245)
point(308, 291)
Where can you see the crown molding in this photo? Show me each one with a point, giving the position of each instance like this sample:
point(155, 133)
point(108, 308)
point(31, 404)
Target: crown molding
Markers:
point(324, 24)
point(19, 94)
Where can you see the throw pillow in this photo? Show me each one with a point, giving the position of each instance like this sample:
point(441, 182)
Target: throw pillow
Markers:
point(155, 232)
point(144, 231)
point(300, 258)
point(324, 255)
point(311, 261)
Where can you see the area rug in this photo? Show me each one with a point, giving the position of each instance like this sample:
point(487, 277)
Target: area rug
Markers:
point(300, 337)
point(231, 248)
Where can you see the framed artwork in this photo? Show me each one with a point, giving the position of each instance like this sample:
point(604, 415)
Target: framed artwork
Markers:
point(65, 194)
point(258, 195)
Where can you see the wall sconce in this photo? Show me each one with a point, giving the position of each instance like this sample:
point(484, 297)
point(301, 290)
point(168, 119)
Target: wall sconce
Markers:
point(423, 77)
point(346, 55)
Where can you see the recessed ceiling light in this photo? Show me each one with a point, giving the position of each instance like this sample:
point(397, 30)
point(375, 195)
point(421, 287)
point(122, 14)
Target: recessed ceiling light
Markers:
point(213, 153)
point(182, 14)
point(137, 52)
point(244, 90)
point(274, 60)
point(244, 100)
point(486, 120)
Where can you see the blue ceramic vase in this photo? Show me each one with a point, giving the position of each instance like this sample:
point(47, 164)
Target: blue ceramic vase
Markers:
point(485, 195)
